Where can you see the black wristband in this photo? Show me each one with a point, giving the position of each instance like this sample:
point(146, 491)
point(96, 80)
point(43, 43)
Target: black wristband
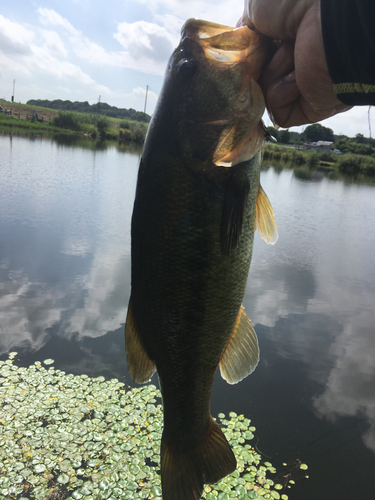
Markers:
point(348, 28)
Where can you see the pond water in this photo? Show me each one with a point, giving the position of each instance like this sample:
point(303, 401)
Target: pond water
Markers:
point(65, 214)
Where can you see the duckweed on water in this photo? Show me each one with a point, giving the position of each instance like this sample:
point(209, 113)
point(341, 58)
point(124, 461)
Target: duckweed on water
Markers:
point(75, 437)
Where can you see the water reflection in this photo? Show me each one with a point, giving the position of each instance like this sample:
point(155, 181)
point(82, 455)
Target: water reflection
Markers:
point(65, 245)
point(316, 290)
point(65, 278)
point(350, 385)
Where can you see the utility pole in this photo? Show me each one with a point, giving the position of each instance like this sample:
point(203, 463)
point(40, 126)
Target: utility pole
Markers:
point(99, 105)
point(146, 98)
point(369, 127)
point(14, 84)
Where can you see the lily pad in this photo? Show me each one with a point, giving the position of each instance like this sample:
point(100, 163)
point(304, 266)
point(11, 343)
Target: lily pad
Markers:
point(63, 479)
point(102, 439)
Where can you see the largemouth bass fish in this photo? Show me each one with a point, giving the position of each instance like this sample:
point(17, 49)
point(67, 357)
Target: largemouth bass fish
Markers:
point(198, 202)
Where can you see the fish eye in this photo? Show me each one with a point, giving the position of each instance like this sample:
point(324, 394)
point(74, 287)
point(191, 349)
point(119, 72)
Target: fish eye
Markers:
point(186, 69)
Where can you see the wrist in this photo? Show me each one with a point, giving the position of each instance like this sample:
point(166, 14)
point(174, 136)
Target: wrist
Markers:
point(349, 48)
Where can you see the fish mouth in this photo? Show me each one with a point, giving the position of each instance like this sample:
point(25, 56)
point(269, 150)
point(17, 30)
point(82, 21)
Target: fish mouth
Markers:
point(243, 131)
point(225, 46)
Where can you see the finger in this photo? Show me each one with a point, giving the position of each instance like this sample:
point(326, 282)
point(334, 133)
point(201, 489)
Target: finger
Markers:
point(285, 103)
point(281, 64)
point(279, 85)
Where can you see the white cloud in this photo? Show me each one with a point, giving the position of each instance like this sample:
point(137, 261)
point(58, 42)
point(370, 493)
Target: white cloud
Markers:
point(50, 16)
point(148, 46)
point(223, 12)
point(54, 43)
point(26, 320)
point(351, 122)
point(29, 53)
point(82, 46)
point(140, 92)
point(15, 40)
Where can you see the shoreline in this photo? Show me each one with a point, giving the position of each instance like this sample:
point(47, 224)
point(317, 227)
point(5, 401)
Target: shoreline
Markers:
point(52, 122)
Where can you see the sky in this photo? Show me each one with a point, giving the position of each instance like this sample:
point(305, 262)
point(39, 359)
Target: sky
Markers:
point(86, 50)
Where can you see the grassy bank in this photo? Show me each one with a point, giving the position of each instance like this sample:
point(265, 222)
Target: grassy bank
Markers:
point(97, 125)
point(12, 123)
point(347, 164)
point(92, 125)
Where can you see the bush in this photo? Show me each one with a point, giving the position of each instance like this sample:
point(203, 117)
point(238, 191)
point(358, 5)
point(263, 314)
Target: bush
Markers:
point(368, 165)
point(110, 133)
point(67, 119)
point(327, 157)
point(132, 132)
point(124, 134)
point(125, 125)
point(350, 164)
point(285, 156)
point(138, 132)
point(312, 160)
point(101, 124)
point(298, 158)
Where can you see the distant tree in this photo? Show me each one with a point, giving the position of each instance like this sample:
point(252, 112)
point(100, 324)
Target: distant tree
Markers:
point(295, 137)
point(110, 113)
point(273, 132)
point(284, 136)
point(360, 138)
point(316, 132)
point(85, 107)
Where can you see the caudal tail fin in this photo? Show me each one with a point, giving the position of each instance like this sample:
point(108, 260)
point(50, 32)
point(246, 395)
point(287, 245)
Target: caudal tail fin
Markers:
point(186, 467)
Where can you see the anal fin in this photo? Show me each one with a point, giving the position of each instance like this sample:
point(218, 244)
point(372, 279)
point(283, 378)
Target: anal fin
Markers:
point(241, 355)
point(141, 367)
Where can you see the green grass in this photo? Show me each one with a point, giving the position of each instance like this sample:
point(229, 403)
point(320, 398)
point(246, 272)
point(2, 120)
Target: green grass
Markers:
point(82, 123)
point(9, 103)
point(284, 153)
point(12, 123)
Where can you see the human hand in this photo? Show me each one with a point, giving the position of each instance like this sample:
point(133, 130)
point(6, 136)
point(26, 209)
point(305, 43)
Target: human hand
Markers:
point(296, 83)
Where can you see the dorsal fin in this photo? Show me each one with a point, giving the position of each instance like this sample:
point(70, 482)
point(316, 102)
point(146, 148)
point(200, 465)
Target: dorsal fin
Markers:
point(140, 366)
point(241, 355)
point(265, 218)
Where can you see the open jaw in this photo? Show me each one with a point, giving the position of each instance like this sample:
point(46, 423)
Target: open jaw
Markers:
point(225, 47)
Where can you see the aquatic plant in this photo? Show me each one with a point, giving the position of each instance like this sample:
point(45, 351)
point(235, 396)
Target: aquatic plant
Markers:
point(312, 159)
point(74, 437)
point(353, 164)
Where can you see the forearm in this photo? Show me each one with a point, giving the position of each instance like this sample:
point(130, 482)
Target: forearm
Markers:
point(349, 41)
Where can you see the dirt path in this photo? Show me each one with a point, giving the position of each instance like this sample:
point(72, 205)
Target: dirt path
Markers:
point(26, 112)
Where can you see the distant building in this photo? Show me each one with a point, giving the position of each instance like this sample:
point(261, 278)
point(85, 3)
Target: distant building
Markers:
point(319, 146)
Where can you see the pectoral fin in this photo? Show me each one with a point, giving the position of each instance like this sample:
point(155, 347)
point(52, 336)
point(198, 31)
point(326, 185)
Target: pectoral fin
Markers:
point(265, 218)
point(233, 211)
point(141, 367)
point(241, 355)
